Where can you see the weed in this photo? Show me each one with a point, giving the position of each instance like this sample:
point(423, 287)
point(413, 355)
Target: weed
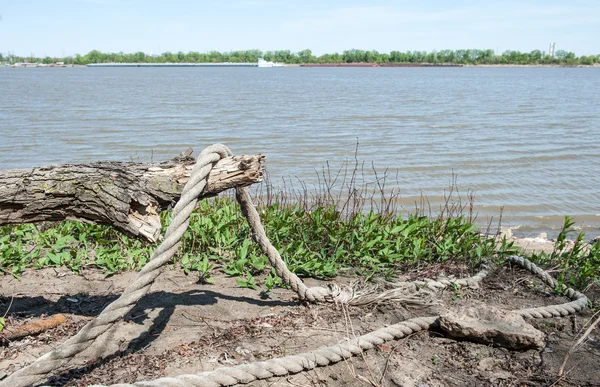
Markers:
point(576, 262)
point(456, 293)
point(315, 243)
point(347, 222)
point(248, 282)
point(272, 281)
point(200, 265)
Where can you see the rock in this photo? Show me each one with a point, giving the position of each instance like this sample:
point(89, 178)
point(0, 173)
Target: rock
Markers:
point(486, 364)
point(489, 325)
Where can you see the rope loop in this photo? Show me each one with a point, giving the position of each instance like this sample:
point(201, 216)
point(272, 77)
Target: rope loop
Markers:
point(247, 373)
point(115, 311)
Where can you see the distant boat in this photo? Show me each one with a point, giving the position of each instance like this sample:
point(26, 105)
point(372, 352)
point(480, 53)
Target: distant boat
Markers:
point(26, 64)
point(264, 63)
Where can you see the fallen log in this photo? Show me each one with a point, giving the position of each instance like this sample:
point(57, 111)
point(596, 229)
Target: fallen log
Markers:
point(128, 196)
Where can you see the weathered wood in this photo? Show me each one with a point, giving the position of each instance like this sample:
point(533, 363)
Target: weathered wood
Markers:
point(127, 196)
point(30, 329)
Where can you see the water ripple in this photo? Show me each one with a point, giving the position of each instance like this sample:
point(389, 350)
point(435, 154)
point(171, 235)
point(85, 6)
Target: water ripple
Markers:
point(525, 139)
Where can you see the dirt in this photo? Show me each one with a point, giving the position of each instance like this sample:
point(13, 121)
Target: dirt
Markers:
point(186, 327)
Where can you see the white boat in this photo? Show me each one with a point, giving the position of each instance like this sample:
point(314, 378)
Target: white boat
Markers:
point(265, 63)
point(25, 64)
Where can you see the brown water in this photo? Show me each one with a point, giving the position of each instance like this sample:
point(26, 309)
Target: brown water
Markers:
point(527, 139)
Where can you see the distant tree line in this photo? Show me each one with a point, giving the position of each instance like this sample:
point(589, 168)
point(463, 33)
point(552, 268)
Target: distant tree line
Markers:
point(470, 56)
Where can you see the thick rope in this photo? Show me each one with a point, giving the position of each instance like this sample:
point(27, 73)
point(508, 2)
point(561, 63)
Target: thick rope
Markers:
point(260, 236)
point(334, 293)
point(117, 309)
point(293, 364)
point(246, 373)
point(580, 301)
point(411, 292)
point(163, 254)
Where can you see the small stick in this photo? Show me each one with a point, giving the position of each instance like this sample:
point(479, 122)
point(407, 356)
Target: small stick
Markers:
point(579, 343)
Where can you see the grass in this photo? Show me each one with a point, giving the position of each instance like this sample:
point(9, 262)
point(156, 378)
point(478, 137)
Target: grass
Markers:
point(348, 222)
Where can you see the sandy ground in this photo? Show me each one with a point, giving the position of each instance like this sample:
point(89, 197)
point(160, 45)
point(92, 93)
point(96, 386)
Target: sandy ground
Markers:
point(186, 327)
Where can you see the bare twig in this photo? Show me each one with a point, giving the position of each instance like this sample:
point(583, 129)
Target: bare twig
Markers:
point(580, 342)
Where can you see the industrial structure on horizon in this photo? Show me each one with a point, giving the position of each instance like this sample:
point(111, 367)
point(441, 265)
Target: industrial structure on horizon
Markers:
point(551, 49)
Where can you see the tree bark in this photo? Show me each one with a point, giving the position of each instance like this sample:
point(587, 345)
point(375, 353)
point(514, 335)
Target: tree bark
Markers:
point(127, 196)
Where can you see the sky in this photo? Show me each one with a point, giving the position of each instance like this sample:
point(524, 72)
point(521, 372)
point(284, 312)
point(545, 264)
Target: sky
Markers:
point(68, 27)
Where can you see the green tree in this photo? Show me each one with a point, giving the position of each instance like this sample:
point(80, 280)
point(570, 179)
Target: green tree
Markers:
point(305, 56)
point(139, 57)
point(462, 56)
point(535, 57)
point(431, 57)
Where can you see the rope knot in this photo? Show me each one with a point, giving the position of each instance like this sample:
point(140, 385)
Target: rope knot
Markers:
point(329, 293)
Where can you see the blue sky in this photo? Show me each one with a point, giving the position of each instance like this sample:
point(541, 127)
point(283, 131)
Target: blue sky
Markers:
point(67, 27)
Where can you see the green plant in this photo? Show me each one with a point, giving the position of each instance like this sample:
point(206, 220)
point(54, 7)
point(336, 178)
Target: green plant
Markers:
point(59, 249)
point(456, 293)
point(200, 265)
point(315, 242)
point(578, 264)
point(248, 282)
point(272, 281)
point(339, 226)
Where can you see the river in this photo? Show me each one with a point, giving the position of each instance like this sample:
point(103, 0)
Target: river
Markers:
point(525, 139)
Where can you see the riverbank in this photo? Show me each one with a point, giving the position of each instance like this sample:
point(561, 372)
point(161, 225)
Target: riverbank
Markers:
point(183, 326)
point(220, 304)
point(554, 66)
point(461, 56)
point(308, 65)
point(319, 242)
point(361, 64)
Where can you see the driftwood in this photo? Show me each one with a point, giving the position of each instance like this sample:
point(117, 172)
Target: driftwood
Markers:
point(127, 196)
point(31, 329)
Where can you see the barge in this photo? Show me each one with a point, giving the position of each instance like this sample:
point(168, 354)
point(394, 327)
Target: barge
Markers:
point(379, 65)
point(224, 64)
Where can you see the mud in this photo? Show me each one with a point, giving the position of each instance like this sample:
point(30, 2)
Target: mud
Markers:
point(186, 327)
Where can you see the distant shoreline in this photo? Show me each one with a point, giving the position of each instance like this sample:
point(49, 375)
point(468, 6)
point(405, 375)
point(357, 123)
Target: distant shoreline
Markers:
point(438, 57)
point(312, 65)
point(533, 66)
